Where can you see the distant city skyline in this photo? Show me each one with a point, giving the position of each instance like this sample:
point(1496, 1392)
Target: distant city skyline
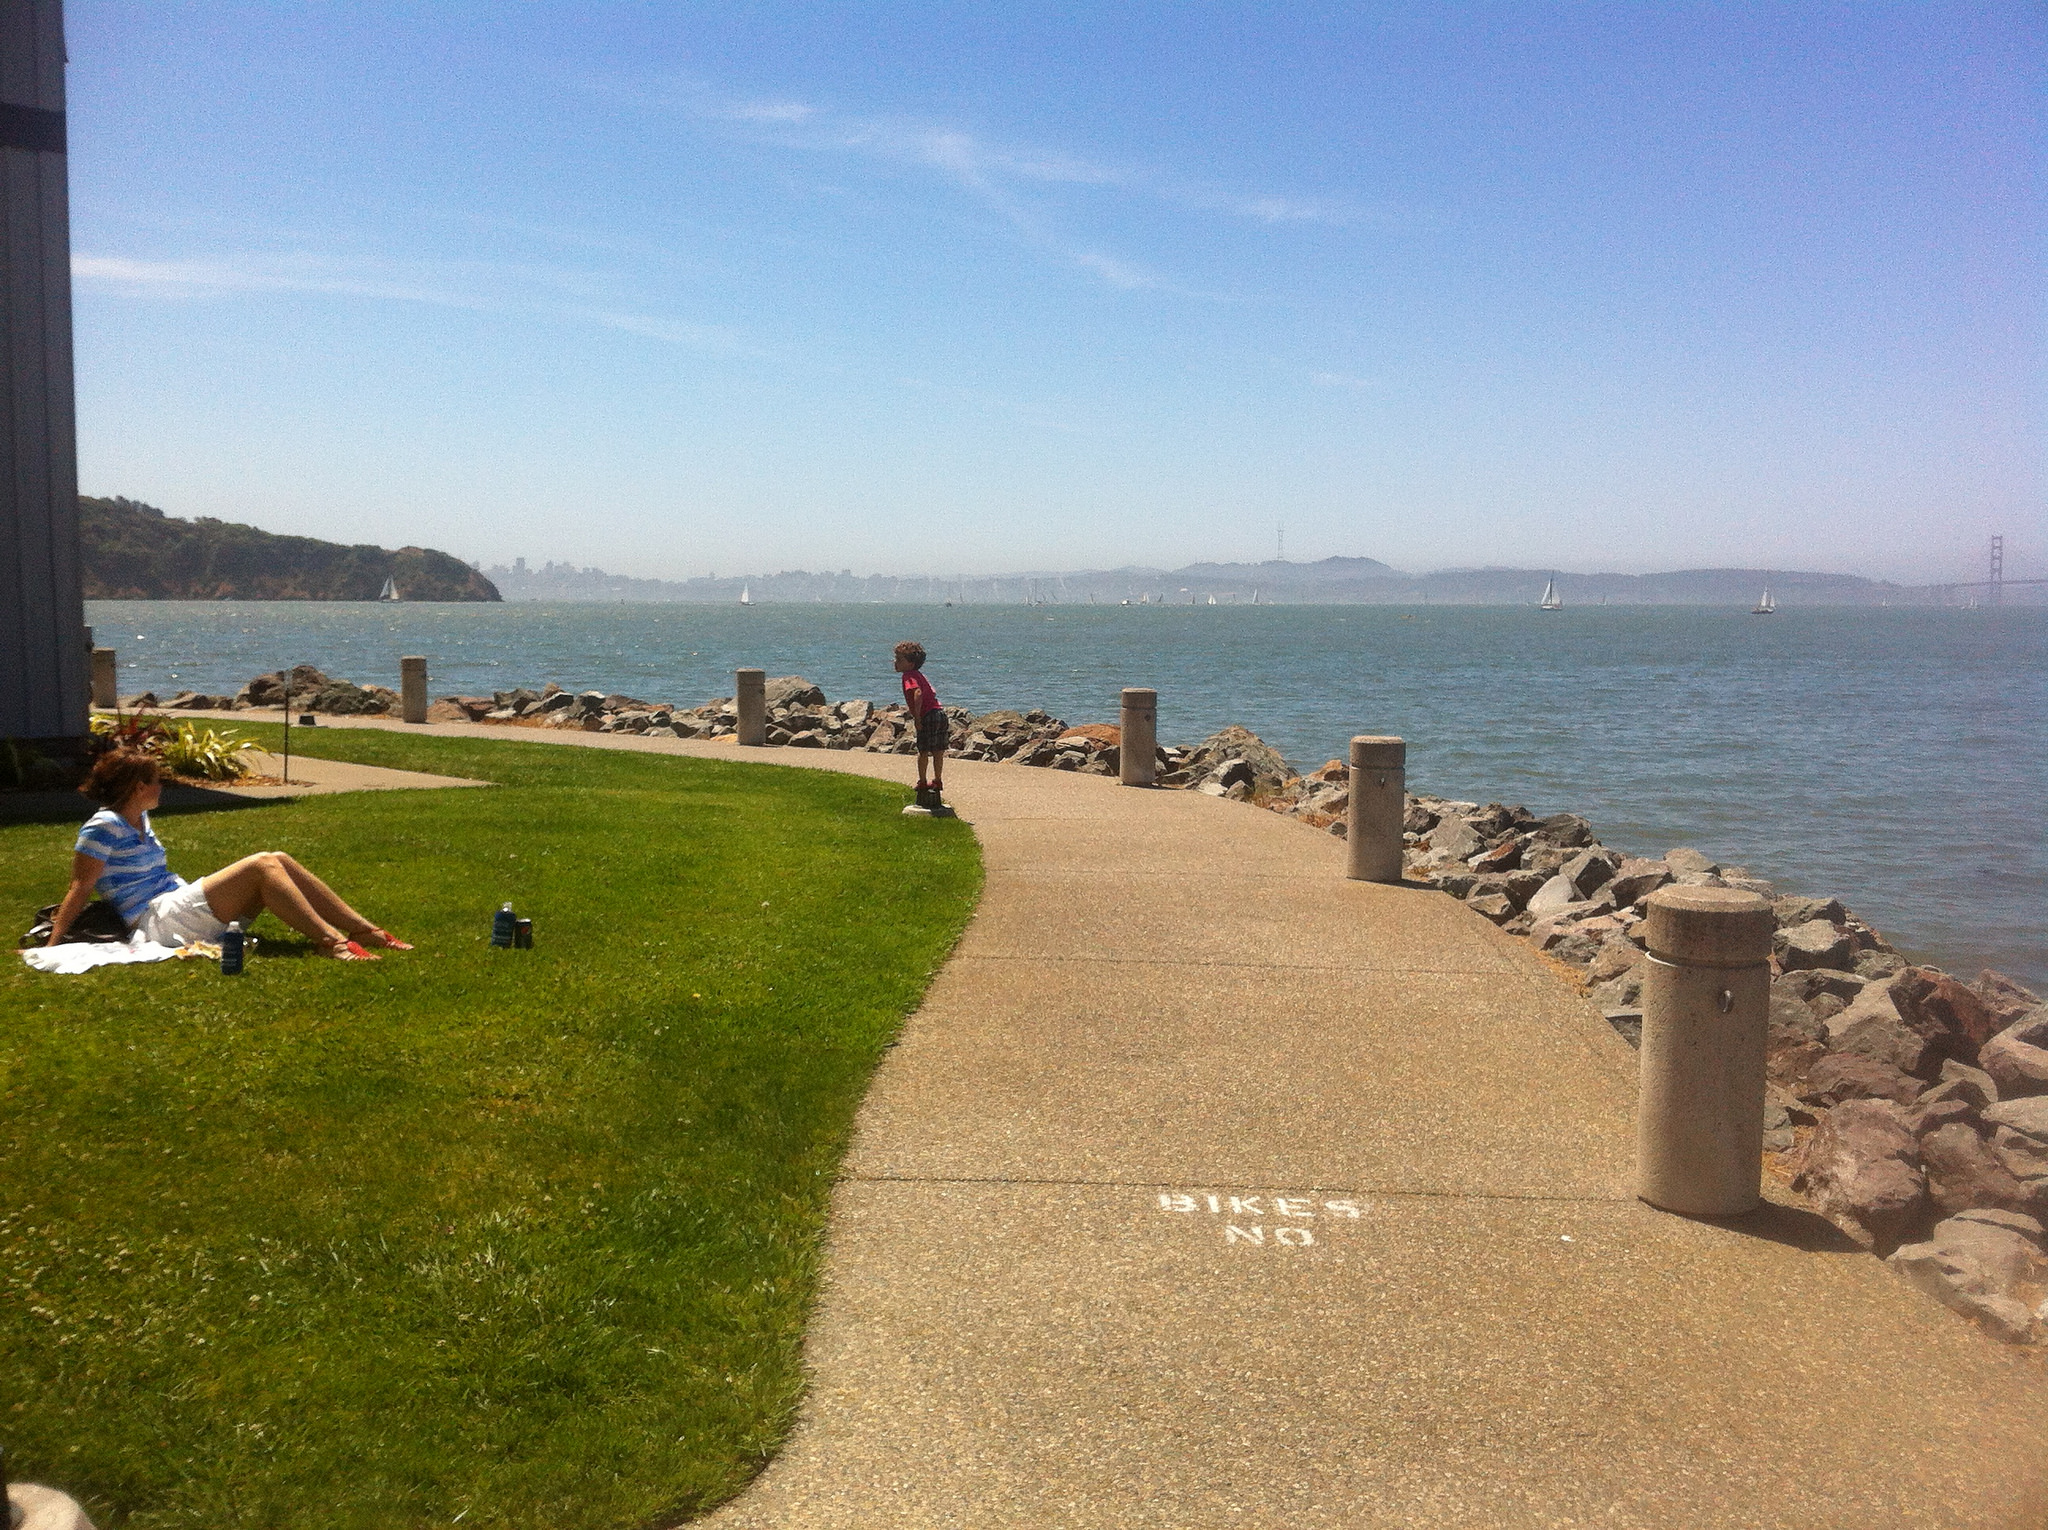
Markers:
point(928, 289)
point(1273, 582)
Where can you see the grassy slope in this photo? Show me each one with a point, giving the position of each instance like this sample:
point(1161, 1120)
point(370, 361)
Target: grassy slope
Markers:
point(523, 1236)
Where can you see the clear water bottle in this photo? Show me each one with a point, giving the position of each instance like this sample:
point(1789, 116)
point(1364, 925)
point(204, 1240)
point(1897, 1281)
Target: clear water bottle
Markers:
point(231, 950)
point(504, 925)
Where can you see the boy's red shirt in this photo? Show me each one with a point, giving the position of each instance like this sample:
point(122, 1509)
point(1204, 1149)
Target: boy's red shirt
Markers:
point(918, 694)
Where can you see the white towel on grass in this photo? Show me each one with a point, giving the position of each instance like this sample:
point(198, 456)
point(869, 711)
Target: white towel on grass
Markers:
point(82, 956)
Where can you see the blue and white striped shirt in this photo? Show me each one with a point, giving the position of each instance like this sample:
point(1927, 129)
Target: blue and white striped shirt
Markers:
point(137, 869)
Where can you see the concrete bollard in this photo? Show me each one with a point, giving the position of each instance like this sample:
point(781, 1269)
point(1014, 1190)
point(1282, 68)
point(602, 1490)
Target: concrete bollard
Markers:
point(412, 688)
point(1379, 804)
point(750, 698)
point(1706, 1015)
point(1138, 746)
point(105, 690)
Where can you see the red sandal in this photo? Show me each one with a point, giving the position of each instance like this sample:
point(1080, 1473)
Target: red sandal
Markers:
point(386, 939)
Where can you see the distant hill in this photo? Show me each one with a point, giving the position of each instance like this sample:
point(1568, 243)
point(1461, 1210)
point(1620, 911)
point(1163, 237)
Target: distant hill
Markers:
point(1330, 581)
point(134, 551)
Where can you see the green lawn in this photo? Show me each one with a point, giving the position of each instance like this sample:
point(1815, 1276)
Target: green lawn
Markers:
point(504, 1238)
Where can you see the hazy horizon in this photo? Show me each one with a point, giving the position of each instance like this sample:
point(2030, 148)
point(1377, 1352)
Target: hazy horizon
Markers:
point(1604, 287)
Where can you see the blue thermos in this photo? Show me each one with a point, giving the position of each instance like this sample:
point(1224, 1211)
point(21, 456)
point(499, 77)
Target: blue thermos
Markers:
point(231, 950)
point(504, 925)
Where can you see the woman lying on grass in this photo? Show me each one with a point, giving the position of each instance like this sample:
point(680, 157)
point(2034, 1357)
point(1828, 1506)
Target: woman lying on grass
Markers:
point(120, 854)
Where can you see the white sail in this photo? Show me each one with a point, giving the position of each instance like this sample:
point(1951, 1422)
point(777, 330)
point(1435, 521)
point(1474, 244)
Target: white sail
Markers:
point(1551, 600)
point(389, 592)
point(1767, 605)
point(746, 594)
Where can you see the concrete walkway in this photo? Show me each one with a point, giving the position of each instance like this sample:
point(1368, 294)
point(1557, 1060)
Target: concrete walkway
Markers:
point(1208, 1188)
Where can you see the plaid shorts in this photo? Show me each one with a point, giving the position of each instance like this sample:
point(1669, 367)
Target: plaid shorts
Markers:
point(934, 732)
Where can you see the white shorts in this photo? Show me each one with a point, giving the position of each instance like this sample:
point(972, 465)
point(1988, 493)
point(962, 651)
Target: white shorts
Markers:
point(179, 918)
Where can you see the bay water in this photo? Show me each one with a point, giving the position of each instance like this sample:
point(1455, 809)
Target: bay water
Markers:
point(1894, 757)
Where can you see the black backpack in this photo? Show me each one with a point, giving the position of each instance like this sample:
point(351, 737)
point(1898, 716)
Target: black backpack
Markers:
point(97, 924)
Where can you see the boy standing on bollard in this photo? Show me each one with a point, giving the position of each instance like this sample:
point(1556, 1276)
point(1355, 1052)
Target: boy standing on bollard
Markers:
point(927, 723)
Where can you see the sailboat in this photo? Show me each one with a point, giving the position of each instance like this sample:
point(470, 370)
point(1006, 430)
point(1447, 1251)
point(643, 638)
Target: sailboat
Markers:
point(746, 594)
point(389, 592)
point(1212, 600)
point(1551, 600)
point(1766, 606)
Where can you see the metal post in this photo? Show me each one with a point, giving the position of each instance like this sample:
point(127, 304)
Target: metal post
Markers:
point(1706, 1013)
point(105, 690)
point(750, 698)
point(412, 688)
point(1379, 802)
point(1138, 743)
point(45, 674)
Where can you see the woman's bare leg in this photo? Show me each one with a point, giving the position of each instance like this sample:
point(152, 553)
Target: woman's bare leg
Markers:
point(324, 899)
point(262, 881)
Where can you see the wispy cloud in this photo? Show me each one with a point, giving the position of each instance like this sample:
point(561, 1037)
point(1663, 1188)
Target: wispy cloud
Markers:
point(474, 287)
point(999, 175)
point(191, 278)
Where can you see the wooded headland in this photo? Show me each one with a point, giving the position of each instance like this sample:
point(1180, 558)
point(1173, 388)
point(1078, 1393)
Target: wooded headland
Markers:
point(134, 551)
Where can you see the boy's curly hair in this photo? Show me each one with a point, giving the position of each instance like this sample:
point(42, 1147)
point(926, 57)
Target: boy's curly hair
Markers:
point(914, 652)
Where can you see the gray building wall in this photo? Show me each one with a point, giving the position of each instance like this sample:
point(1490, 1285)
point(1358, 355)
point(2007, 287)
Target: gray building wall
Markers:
point(43, 659)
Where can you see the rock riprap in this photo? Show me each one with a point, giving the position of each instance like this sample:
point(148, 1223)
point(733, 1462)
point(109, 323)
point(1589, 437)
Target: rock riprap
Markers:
point(1909, 1106)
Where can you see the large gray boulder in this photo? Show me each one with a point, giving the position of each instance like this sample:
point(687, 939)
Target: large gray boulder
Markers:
point(1964, 1173)
point(1872, 1027)
point(2007, 1000)
point(1791, 910)
point(1862, 1169)
point(269, 690)
point(1567, 831)
point(1687, 861)
point(1959, 1081)
point(1843, 1076)
point(1952, 1017)
point(793, 691)
point(1812, 982)
point(1815, 943)
point(2017, 1057)
point(2028, 1116)
point(1503, 857)
point(1926, 1117)
point(1269, 769)
point(1453, 839)
point(2019, 1138)
point(1635, 879)
point(1987, 1265)
point(1792, 1023)
point(1555, 894)
point(1590, 870)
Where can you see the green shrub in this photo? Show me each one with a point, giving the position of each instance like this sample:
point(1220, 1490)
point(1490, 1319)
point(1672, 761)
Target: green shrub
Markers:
point(213, 754)
point(128, 730)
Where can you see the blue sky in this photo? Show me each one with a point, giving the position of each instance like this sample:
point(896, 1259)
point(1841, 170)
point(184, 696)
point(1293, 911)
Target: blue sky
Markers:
point(676, 289)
